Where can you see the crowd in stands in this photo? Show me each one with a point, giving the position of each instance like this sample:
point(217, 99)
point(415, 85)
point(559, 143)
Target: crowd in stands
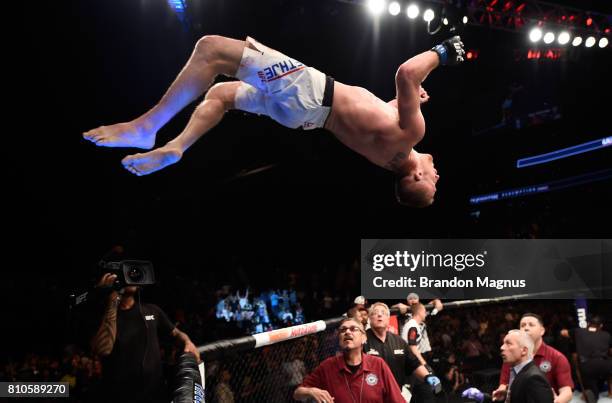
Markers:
point(464, 341)
point(269, 310)
point(82, 371)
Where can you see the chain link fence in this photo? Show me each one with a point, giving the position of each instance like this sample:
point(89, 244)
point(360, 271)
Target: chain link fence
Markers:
point(241, 371)
point(267, 367)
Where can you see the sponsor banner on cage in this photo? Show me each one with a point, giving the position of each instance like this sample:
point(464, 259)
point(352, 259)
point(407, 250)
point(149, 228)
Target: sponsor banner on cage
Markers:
point(486, 268)
point(275, 336)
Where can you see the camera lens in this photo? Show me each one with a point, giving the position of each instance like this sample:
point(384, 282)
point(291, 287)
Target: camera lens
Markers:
point(135, 274)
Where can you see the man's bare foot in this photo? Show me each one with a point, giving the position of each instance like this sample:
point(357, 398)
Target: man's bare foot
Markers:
point(146, 163)
point(137, 133)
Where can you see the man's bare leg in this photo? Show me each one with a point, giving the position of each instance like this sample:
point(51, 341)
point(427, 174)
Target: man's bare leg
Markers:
point(212, 55)
point(208, 114)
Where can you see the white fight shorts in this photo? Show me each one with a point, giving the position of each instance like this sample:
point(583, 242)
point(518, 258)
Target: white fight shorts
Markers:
point(282, 88)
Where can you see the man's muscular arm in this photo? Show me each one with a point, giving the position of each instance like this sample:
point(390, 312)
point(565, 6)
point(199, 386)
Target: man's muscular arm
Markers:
point(104, 339)
point(423, 97)
point(417, 354)
point(186, 342)
point(564, 396)
point(408, 81)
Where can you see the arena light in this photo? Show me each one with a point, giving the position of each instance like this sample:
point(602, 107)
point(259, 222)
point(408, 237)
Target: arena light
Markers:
point(177, 5)
point(471, 54)
point(549, 37)
point(376, 6)
point(445, 21)
point(535, 34)
point(428, 15)
point(465, 19)
point(590, 41)
point(564, 38)
point(565, 152)
point(180, 10)
point(394, 8)
point(412, 11)
point(603, 42)
point(560, 184)
point(577, 41)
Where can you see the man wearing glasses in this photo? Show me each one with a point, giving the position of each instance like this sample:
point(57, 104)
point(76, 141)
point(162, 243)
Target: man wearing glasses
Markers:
point(395, 351)
point(350, 376)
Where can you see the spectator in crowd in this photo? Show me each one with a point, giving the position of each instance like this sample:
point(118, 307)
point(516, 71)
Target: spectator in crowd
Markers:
point(299, 314)
point(254, 317)
point(453, 378)
point(473, 350)
point(295, 369)
point(243, 300)
point(360, 302)
point(361, 314)
point(223, 390)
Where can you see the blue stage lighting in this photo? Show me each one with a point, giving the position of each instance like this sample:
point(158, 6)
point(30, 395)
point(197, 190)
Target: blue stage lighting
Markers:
point(565, 152)
point(177, 5)
point(543, 187)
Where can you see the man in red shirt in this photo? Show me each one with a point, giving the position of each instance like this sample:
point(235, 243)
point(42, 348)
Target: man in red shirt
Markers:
point(551, 362)
point(351, 376)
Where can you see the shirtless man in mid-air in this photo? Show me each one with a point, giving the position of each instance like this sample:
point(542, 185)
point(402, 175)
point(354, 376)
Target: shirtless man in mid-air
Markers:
point(295, 96)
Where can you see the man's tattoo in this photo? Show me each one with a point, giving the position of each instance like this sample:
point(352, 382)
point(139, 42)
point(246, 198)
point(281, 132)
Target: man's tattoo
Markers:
point(395, 162)
point(105, 337)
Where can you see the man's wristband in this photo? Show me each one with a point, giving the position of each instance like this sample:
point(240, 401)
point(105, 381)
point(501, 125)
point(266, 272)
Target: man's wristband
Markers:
point(441, 52)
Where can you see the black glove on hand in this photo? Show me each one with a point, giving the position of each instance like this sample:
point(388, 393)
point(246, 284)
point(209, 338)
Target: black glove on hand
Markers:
point(450, 51)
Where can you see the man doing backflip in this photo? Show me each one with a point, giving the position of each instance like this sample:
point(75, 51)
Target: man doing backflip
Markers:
point(295, 96)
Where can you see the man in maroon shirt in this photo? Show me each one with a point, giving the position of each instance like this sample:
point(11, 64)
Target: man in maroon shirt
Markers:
point(551, 362)
point(351, 376)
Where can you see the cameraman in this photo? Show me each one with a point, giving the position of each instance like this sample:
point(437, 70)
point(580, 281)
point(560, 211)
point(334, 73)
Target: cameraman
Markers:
point(127, 341)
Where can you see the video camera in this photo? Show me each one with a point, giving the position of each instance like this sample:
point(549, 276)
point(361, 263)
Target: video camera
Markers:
point(129, 272)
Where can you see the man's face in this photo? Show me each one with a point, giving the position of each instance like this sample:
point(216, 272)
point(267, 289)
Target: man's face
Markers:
point(532, 327)
point(412, 300)
point(429, 176)
point(429, 171)
point(129, 290)
point(419, 185)
point(421, 313)
point(379, 318)
point(363, 314)
point(350, 335)
point(511, 351)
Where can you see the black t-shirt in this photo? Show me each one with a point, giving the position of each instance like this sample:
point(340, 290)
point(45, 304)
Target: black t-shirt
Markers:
point(133, 370)
point(395, 352)
point(591, 345)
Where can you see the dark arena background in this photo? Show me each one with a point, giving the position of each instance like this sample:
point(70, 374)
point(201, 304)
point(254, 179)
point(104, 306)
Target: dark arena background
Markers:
point(257, 206)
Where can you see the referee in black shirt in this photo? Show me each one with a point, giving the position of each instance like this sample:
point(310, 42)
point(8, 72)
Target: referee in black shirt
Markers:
point(393, 349)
